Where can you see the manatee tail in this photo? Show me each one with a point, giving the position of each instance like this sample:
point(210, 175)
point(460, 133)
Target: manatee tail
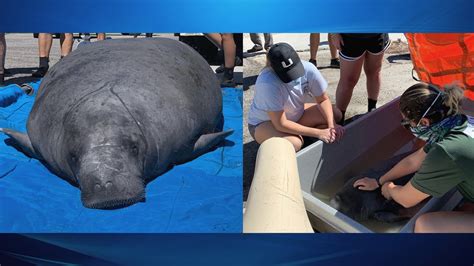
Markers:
point(19, 141)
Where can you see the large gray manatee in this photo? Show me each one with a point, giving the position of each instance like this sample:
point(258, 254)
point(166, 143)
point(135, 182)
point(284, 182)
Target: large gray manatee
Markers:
point(113, 115)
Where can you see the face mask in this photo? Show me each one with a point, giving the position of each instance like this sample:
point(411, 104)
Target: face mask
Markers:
point(421, 132)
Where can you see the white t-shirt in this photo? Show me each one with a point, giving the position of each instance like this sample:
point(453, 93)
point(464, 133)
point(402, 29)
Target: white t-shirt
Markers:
point(271, 94)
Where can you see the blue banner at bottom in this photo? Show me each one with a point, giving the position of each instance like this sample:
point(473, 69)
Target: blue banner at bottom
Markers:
point(236, 249)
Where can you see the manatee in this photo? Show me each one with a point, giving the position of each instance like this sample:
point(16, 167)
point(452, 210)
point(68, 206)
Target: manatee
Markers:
point(113, 115)
point(362, 205)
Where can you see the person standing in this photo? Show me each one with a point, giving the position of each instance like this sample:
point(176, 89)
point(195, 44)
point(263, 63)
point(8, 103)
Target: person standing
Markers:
point(225, 42)
point(314, 40)
point(45, 41)
point(356, 51)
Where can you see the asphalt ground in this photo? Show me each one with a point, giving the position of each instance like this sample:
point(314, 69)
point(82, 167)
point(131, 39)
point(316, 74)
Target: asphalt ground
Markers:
point(22, 56)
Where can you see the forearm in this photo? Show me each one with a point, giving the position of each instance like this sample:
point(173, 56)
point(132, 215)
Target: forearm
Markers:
point(408, 165)
point(406, 195)
point(326, 110)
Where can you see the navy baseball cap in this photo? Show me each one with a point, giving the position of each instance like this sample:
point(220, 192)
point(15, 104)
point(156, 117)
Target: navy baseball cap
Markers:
point(285, 62)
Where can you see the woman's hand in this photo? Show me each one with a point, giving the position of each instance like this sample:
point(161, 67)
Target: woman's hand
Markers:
point(386, 189)
point(327, 135)
point(337, 41)
point(366, 183)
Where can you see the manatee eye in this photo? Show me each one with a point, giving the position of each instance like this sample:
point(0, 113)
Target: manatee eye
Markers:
point(73, 158)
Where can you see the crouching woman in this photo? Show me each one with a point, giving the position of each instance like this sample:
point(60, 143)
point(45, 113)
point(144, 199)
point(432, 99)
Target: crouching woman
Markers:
point(279, 109)
point(445, 162)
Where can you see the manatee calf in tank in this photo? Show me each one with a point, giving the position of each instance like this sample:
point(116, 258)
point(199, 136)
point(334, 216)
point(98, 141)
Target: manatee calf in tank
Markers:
point(113, 115)
point(362, 205)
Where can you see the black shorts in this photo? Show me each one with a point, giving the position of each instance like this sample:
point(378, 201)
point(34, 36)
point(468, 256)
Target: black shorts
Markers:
point(355, 45)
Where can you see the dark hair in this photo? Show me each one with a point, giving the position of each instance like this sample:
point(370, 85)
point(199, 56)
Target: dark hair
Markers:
point(417, 99)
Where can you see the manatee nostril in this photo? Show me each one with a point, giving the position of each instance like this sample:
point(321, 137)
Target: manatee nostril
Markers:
point(97, 187)
point(108, 184)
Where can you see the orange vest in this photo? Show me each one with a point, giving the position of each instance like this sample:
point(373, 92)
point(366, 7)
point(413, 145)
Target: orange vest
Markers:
point(444, 58)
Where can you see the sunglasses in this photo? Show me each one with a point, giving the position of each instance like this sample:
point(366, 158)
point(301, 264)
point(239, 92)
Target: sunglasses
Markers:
point(406, 122)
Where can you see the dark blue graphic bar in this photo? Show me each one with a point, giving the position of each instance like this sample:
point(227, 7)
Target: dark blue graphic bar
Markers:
point(238, 249)
point(236, 16)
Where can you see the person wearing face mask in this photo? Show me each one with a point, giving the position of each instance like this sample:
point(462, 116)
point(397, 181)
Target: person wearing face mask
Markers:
point(279, 109)
point(445, 162)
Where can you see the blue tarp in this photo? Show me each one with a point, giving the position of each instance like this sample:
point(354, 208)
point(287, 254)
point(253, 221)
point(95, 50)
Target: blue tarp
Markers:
point(204, 195)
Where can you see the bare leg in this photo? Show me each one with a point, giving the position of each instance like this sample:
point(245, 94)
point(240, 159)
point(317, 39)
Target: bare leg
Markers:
point(349, 76)
point(100, 36)
point(312, 117)
point(266, 130)
point(445, 222)
point(45, 41)
point(332, 48)
point(229, 49)
point(215, 38)
point(3, 52)
point(66, 41)
point(372, 68)
point(268, 40)
point(314, 39)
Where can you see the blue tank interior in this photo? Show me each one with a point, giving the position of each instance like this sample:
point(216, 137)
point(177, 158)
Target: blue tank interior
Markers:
point(204, 195)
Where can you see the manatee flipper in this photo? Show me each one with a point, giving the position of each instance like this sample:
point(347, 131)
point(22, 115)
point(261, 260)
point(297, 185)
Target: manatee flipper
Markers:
point(205, 143)
point(20, 141)
point(388, 217)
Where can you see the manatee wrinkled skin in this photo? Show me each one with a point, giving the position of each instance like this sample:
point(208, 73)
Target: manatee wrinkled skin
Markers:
point(362, 205)
point(113, 115)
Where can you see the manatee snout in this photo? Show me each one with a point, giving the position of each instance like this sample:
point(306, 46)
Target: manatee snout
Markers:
point(111, 192)
point(110, 184)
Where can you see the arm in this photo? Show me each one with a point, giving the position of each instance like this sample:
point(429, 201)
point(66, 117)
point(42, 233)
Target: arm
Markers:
point(406, 195)
point(326, 108)
point(281, 123)
point(407, 165)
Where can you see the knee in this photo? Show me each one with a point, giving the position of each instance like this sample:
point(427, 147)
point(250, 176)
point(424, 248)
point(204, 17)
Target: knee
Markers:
point(350, 81)
point(297, 142)
point(423, 224)
point(373, 72)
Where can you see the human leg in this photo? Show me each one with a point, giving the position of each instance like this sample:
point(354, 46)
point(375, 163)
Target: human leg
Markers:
point(45, 41)
point(100, 36)
point(314, 39)
point(215, 38)
point(66, 42)
point(266, 130)
point(314, 117)
point(445, 222)
point(334, 58)
point(372, 69)
point(3, 51)
point(268, 40)
point(348, 78)
point(229, 47)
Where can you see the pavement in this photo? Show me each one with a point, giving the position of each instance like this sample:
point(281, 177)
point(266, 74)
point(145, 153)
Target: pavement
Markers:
point(396, 78)
point(22, 56)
